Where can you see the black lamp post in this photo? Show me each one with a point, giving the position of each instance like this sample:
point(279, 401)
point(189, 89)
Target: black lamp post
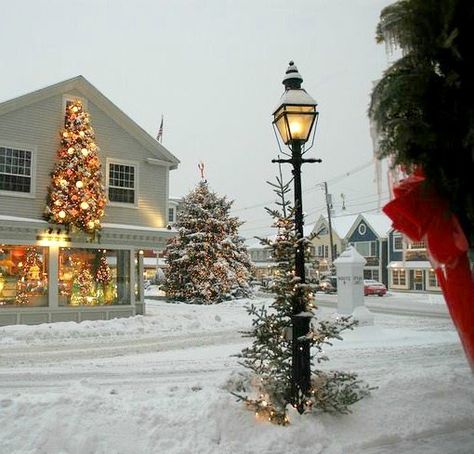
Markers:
point(294, 119)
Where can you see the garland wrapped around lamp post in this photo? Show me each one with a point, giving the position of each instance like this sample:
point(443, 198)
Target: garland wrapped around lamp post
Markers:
point(76, 197)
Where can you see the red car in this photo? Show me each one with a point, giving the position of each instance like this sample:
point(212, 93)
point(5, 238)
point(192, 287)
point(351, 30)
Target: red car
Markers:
point(372, 287)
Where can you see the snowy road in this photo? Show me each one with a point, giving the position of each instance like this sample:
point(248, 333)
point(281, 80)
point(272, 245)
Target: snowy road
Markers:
point(129, 386)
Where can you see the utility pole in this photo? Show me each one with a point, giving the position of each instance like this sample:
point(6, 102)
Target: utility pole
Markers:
point(328, 206)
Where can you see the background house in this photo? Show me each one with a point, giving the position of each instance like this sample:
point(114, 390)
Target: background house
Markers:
point(369, 235)
point(409, 267)
point(136, 176)
point(322, 244)
point(261, 257)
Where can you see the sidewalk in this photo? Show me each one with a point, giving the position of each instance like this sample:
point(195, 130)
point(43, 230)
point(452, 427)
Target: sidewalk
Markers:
point(397, 303)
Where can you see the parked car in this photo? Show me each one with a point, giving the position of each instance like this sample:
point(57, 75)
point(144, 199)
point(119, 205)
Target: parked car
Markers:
point(328, 284)
point(372, 287)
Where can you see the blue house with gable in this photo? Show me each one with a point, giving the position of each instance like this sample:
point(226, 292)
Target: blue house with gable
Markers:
point(409, 268)
point(369, 235)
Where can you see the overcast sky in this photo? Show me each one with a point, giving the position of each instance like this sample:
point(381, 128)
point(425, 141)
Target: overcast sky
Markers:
point(214, 68)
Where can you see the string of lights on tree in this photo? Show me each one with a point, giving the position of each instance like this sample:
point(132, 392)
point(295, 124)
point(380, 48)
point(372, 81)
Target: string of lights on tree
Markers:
point(29, 271)
point(76, 197)
point(268, 387)
point(207, 260)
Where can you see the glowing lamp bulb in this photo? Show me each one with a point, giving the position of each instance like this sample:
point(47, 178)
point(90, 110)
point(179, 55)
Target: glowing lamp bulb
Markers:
point(75, 109)
point(79, 184)
point(70, 150)
point(81, 133)
point(85, 151)
point(90, 225)
point(84, 205)
point(295, 128)
point(62, 214)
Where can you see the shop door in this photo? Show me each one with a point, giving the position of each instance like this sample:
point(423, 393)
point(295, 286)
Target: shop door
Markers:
point(418, 280)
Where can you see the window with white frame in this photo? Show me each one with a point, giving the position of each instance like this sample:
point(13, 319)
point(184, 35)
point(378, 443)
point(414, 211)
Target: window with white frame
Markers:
point(371, 274)
point(417, 245)
point(366, 248)
point(122, 182)
point(433, 279)
point(397, 242)
point(362, 229)
point(171, 215)
point(399, 277)
point(15, 170)
point(69, 99)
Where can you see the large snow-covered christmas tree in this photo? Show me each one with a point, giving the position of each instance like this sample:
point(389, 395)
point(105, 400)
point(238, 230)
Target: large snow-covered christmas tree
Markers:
point(268, 389)
point(207, 260)
point(76, 196)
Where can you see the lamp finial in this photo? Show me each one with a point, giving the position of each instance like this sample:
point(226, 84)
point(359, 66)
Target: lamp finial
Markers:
point(292, 79)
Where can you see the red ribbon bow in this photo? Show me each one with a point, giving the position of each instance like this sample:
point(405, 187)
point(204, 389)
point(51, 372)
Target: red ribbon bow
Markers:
point(421, 214)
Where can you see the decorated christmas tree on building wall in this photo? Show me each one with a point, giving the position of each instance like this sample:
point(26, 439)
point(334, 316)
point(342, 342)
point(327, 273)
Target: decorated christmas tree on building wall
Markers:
point(76, 196)
point(207, 260)
point(267, 389)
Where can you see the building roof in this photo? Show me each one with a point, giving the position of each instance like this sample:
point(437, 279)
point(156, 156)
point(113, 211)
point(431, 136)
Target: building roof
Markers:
point(340, 224)
point(158, 153)
point(379, 223)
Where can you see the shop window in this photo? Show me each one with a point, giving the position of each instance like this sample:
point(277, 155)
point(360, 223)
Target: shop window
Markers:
point(93, 277)
point(23, 276)
point(399, 277)
point(432, 279)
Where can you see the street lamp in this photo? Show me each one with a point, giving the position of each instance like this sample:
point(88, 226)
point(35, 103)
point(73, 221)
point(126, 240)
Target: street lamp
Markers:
point(294, 119)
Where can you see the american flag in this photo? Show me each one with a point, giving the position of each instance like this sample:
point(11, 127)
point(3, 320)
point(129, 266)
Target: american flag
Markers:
point(159, 136)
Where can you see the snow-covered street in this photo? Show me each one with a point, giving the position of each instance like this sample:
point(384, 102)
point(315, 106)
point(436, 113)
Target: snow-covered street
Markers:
point(156, 384)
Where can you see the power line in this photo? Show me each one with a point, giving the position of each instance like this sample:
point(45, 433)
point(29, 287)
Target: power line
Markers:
point(312, 187)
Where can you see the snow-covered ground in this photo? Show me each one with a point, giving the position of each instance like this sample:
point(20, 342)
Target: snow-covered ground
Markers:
point(156, 384)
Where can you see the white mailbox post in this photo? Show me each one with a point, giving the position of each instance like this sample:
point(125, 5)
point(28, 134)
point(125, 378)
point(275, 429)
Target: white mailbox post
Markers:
point(350, 286)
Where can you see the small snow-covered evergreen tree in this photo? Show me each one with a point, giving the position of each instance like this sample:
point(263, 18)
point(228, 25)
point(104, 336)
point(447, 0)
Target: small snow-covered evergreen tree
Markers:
point(207, 260)
point(268, 387)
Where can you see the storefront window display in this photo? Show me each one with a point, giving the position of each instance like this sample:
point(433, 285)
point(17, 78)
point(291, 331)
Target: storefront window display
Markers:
point(93, 277)
point(23, 276)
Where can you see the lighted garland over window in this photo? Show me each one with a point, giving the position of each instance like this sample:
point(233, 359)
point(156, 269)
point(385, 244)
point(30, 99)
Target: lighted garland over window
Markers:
point(76, 195)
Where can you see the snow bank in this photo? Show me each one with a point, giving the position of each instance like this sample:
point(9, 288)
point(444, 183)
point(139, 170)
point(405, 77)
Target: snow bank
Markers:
point(156, 384)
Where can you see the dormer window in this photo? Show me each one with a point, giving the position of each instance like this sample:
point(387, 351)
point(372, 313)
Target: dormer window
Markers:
point(16, 170)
